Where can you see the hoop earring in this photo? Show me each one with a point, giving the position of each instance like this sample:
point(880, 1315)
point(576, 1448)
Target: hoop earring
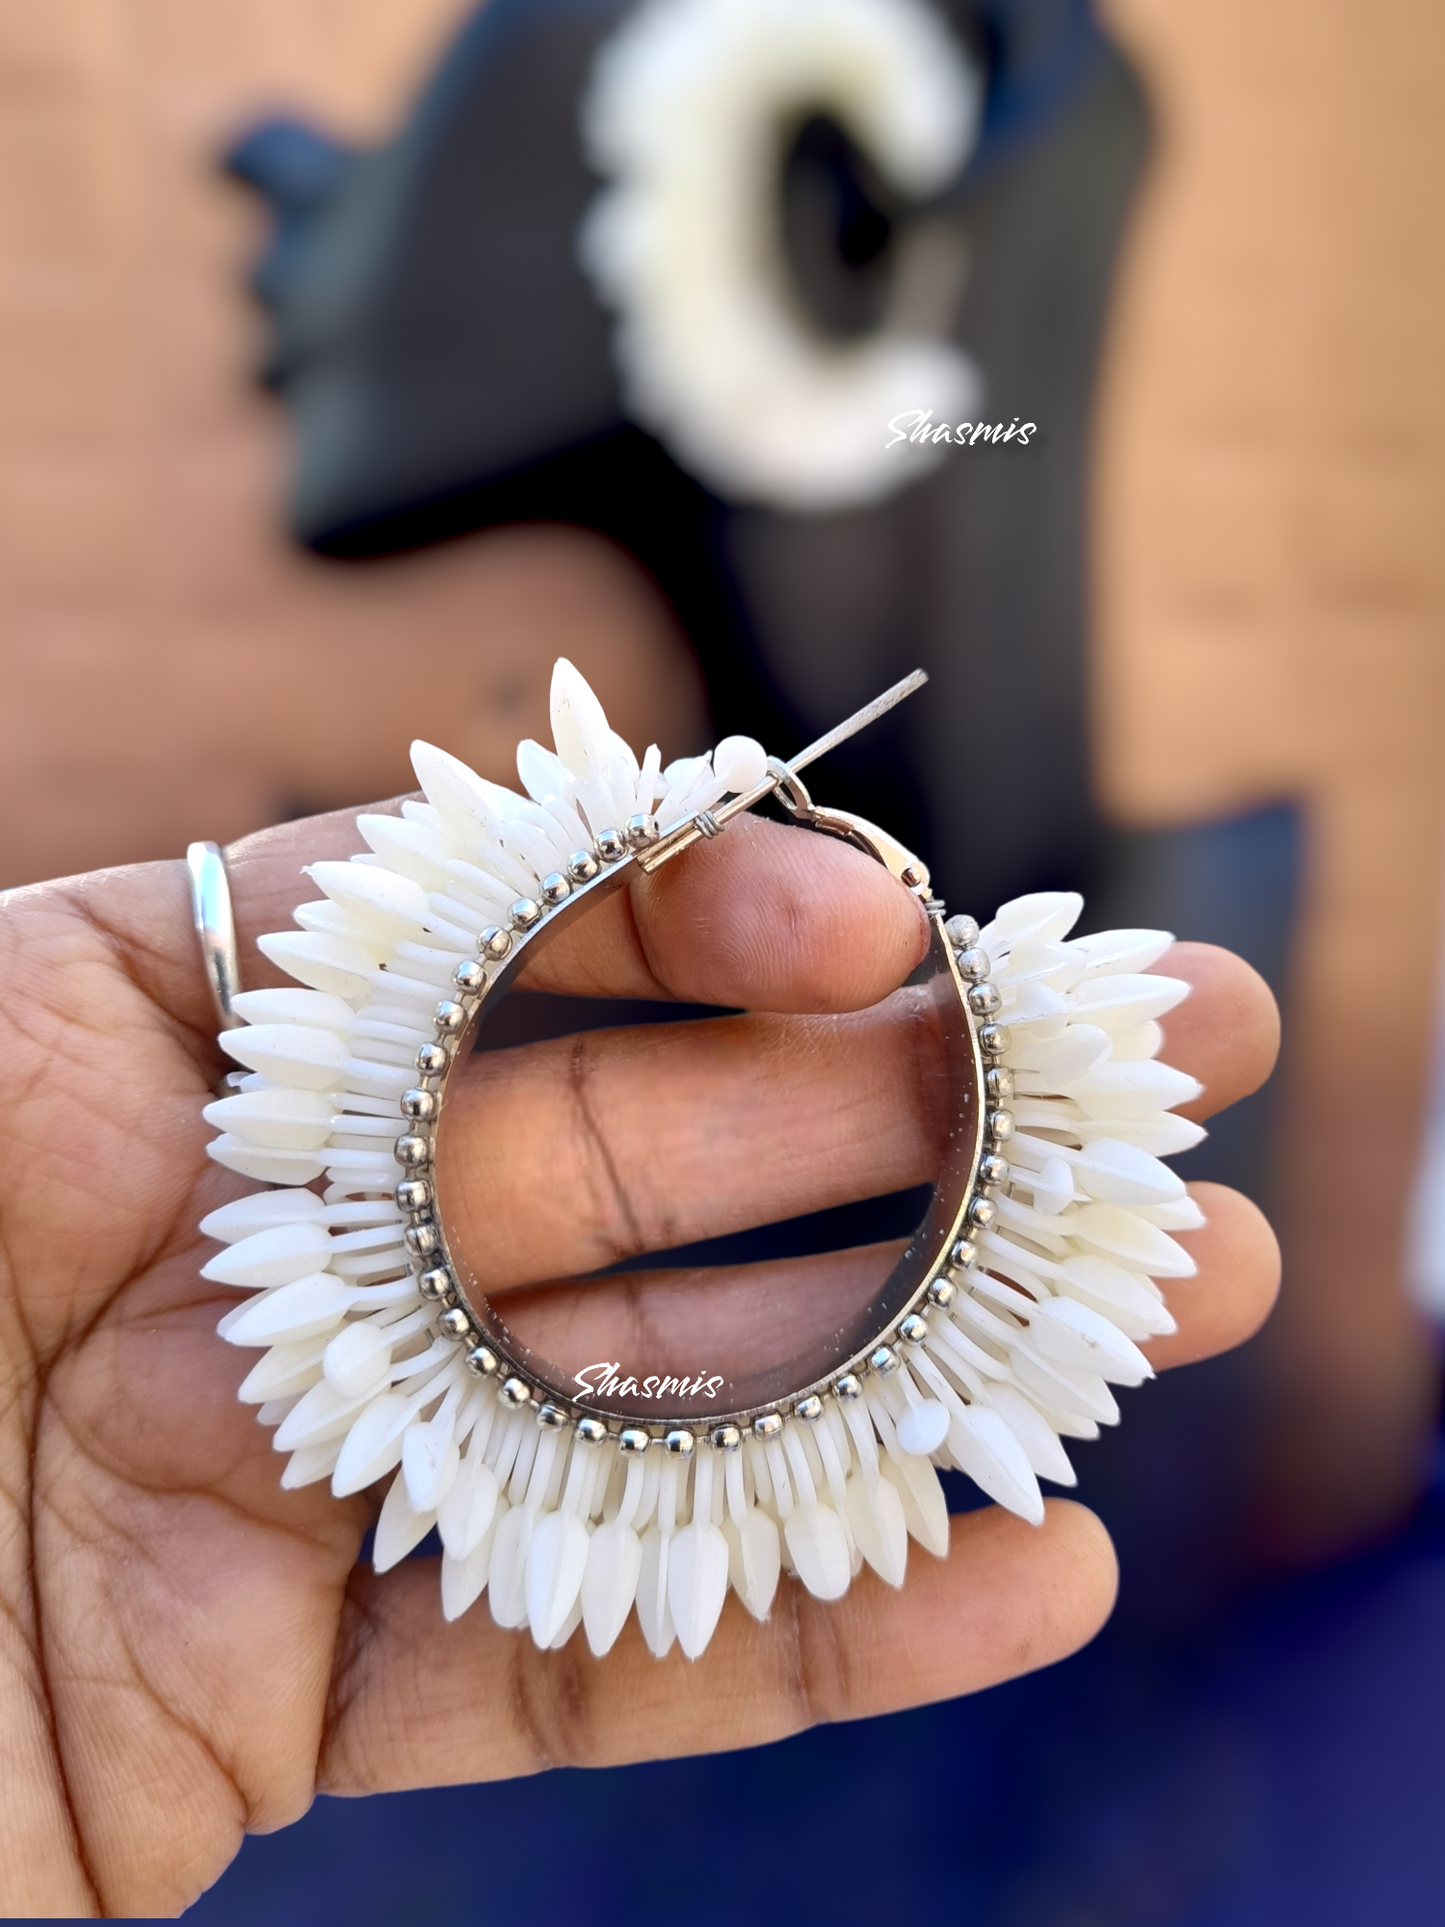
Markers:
point(998, 1332)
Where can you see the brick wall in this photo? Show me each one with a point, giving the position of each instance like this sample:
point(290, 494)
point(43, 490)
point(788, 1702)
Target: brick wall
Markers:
point(1270, 523)
point(168, 667)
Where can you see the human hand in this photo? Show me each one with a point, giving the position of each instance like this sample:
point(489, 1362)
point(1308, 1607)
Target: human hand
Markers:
point(188, 1651)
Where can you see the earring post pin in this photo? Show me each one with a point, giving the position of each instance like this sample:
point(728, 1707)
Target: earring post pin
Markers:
point(686, 834)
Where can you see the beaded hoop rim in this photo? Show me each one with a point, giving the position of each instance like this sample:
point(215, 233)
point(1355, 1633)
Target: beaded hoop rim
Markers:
point(928, 1267)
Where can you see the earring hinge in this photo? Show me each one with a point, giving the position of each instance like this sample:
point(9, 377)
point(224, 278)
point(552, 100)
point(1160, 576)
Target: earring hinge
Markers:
point(782, 779)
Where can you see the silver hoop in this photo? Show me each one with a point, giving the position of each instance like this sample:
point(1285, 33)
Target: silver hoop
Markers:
point(939, 1253)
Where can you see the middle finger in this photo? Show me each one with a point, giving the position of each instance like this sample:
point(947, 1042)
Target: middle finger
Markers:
point(623, 1141)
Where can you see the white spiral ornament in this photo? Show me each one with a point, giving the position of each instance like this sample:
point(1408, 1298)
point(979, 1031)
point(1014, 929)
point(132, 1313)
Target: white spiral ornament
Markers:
point(688, 106)
point(371, 1367)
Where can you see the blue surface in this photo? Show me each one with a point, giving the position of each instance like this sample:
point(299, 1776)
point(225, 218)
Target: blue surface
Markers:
point(1284, 1767)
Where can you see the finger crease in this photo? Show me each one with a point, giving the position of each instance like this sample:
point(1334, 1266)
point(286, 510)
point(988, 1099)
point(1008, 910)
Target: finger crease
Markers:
point(578, 1081)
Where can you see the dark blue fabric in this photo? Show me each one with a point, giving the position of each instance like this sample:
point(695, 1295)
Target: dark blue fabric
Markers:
point(1284, 1769)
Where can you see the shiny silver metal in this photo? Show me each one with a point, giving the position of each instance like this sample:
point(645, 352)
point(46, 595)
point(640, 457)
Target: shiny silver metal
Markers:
point(993, 1170)
point(215, 923)
point(551, 1417)
point(954, 975)
point(1000, 1126)
point(998, 1081)
point(591, 1431)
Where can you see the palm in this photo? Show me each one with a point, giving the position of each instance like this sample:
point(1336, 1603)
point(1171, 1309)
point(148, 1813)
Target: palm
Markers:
point(188, 1651)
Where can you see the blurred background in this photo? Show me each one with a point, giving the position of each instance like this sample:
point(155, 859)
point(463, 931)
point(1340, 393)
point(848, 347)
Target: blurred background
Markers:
point(314, 440)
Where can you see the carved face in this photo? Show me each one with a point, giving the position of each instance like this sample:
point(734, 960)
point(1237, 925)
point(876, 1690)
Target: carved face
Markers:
point(682, 311)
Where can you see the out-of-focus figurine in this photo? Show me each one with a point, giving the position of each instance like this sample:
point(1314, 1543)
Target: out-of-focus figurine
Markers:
point(669, 271)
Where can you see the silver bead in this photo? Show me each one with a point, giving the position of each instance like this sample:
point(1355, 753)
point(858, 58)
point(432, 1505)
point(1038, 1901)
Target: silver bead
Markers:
point(610, 845)
point(421, 1105)
point(469, 977)
point(809, 1409)
point(555, 888)
point(726, 1438)
point(515, 1391)
point(995, 1039)
point(964, 1256)
point(412, 1151)
point(767, 1426)
point(633, 1440)
point(435, 1283)
point(494, 943)
point(999, 1082)
point(591, 1431)
point(551, 1417)
point(449, 1017)
point(454, 1323)
point(993, 1170)
point(642, 830)
point(1000, 1126)
point(581, 866)
point(962, 932)
point(913, 875)
point(482, 1362)
point(421, 1239)
point(982, 1212)
point(914, 1329)
point(942, 1293)
point(984, 1000)
point(883, 1361)
point(524, 913)
point(679, 1443)
point(413, 1194)
point(848, 1385)
point(432, 1060)
point(974, 965)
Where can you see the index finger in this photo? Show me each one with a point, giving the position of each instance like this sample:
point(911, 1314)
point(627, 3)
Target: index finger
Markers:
point(767, 916)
